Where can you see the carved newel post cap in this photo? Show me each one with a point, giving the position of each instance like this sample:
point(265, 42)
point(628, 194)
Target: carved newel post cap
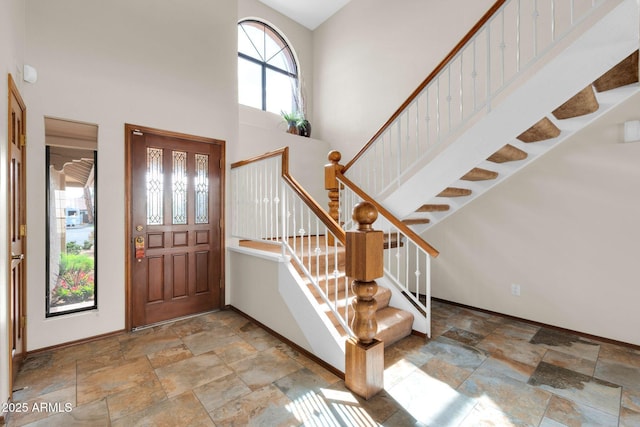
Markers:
point(365, 214)
point(334, 156)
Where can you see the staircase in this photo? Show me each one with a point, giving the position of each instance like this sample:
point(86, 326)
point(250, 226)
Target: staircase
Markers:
point(393, 323)
point(613, 86)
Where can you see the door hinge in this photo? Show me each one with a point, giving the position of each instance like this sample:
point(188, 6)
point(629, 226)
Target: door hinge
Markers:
point(23, 140)
point(23, 230)
point(220, 224)
point(220, 162)
point(220, 283)
point(23, 322)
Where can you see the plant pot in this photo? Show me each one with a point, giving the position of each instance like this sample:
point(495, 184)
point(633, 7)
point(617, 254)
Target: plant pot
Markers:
point(304, 128)
point(293, 128)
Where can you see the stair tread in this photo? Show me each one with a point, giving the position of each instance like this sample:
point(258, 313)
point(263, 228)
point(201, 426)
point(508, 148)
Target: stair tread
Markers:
point(508, 153)
point(382, 296)
point(479, 174)
point(454, 192)
point(624, 73)
point(416, 221)
point(583, 102)
point(433, 208)
point(544, 129)
point(393, 325)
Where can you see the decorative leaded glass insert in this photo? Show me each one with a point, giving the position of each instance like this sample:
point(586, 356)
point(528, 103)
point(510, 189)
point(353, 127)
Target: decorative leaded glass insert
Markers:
point(179, 197)
point(155, 214)
point(202, 188)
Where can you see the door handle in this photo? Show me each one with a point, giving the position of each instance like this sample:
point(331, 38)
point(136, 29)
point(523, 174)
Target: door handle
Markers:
point(17, 257)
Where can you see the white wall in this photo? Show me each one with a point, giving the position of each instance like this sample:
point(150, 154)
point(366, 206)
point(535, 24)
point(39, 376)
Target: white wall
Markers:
point(565, 229)
point(158, 63)
point(256, 292)
point(372, 54)
point(12, 27)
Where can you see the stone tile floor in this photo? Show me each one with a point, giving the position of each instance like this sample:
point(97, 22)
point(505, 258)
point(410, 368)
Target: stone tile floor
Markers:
point(220, 369)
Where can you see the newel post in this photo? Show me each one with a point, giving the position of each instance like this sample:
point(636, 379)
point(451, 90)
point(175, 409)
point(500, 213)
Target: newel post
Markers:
point(331, 184)
point(364, 255)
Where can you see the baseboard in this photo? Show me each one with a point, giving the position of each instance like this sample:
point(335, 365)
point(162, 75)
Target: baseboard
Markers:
point(76, 342)
point(290, 343)
point(544, 325)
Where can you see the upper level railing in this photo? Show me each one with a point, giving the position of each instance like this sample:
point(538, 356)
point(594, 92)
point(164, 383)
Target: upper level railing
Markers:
point(505, 42)
point(270, 207)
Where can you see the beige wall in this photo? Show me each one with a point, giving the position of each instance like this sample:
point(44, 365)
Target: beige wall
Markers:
point(161, 64)
point(372, 54)
point(565, 229)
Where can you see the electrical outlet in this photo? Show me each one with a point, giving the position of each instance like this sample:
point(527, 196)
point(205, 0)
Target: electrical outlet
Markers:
point(515, 290)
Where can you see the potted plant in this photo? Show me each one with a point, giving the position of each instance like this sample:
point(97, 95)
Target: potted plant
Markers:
point(304, 127)
point(292, 121)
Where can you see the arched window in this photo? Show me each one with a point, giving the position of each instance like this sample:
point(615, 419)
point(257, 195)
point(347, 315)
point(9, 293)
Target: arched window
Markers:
point(267, 69)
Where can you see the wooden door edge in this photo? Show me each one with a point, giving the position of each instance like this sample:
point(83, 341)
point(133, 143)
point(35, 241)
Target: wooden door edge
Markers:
point(13, 91)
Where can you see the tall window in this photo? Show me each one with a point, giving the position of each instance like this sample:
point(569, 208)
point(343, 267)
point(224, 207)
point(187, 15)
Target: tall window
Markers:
point(267, 70)
point(71, 216)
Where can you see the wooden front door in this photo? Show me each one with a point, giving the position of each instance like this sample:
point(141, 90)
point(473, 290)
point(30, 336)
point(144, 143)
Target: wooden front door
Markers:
point(176, 240)
point(17, 232)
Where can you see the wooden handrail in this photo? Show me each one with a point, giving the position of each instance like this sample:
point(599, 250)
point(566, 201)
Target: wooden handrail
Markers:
point(284, 152)
point(485, 18)
point(329, 222)
point(390, 217)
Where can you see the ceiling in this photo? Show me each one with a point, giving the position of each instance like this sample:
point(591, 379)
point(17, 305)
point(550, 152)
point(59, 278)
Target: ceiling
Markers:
point(310, 13)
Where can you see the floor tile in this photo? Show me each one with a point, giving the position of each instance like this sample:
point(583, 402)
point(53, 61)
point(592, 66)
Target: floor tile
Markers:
point(187, 374)
point(148, 341)
point(568, 343)
point(629, 418)
point(618, 373)
point(218, 392)
point(443, 371)
point(569, 361)
point(135, 399)
point(60, 399)
point(463, 336)
point(266, 406)
point(430, 401)
point(36, 382)
point(94, 415)
point(520, 402)
point(501, 347)
point(203, 342)
point(619, 354)
point(578, 387)
point(181, 410)
point(169, 355)
point(455, 353)
point(264, 368)
point(299, 383)
point(571, 413)
point(506, 367)
point(97, 384)
point(631, 399)
point(234, 349)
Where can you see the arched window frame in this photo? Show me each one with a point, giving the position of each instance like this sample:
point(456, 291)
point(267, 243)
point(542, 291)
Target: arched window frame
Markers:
point(266, 66)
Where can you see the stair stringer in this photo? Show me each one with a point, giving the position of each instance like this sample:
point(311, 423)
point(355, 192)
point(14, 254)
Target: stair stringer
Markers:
point(540, 90)
point(321, 334)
